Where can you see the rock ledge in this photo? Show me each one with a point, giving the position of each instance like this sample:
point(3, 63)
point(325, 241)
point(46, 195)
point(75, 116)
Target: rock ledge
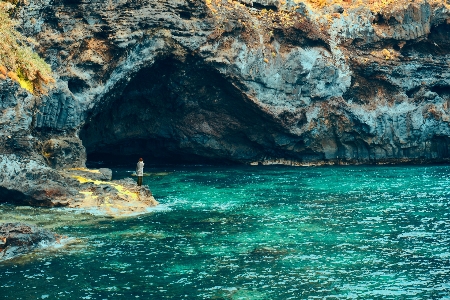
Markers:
point(116, 198)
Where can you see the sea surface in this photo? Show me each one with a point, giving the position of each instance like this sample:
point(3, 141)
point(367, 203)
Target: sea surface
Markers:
point(256, 232)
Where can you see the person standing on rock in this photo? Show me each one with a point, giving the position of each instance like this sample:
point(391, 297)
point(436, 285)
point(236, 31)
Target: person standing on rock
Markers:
point(140, 171)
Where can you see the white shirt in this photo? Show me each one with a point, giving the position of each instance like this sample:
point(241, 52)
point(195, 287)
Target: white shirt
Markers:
point(140, 168)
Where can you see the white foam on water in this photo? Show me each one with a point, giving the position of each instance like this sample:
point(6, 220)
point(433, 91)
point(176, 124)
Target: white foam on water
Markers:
point(92, 211)
point(101, 213)
point(390, 292)
point(415, 234)
point(58, 244)
point(224, 206)
point(160, 207)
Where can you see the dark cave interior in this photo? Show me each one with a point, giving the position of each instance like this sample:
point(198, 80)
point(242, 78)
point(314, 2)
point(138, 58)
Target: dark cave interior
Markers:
point(182, 112)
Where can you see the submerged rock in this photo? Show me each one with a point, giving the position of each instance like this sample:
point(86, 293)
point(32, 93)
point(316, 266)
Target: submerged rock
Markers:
point(18, 238)
point(268, 252)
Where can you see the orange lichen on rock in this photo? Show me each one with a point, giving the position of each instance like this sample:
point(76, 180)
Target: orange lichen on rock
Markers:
point(13, 76)
point(386, 53)
point(374, 5)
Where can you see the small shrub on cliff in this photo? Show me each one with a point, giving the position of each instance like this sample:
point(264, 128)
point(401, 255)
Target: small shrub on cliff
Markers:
point(16, 56)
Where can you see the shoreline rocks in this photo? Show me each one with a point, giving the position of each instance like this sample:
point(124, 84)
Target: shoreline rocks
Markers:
point(116, 198)
point(81, 188)
point(17, 239)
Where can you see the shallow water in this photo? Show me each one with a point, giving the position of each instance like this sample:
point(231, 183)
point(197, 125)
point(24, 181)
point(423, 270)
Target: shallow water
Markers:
point(252, 233)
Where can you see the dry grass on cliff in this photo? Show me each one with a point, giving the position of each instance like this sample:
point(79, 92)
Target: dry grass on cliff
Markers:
point(255, 24)
point(17, 59)
point(375, 6)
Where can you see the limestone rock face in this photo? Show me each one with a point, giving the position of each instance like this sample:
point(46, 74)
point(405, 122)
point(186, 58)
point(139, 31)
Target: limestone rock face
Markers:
point(243, 81)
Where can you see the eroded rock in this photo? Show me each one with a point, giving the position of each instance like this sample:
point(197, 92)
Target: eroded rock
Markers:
point(18, 239)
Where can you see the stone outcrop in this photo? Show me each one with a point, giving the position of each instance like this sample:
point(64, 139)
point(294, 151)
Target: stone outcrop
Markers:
point(26, 173)
point(18, 239)
point(101, 195)
point(262, 81)
point(87, 189)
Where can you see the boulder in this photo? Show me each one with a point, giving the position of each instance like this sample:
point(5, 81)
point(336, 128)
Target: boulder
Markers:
point(18, 239)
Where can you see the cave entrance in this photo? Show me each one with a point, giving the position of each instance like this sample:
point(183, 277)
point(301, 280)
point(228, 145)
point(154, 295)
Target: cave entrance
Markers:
point(177, 112)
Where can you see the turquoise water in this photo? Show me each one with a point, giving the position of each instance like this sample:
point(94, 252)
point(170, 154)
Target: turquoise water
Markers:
point(357, 232)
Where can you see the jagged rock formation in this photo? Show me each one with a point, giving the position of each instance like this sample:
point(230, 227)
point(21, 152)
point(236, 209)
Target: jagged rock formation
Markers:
point(231, 81)
point(17, 239)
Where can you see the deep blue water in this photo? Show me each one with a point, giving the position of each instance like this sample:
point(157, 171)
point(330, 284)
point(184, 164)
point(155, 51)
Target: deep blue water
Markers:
point(359, 232)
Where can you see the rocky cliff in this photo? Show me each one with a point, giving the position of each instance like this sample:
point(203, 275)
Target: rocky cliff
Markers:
point(299, 82)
